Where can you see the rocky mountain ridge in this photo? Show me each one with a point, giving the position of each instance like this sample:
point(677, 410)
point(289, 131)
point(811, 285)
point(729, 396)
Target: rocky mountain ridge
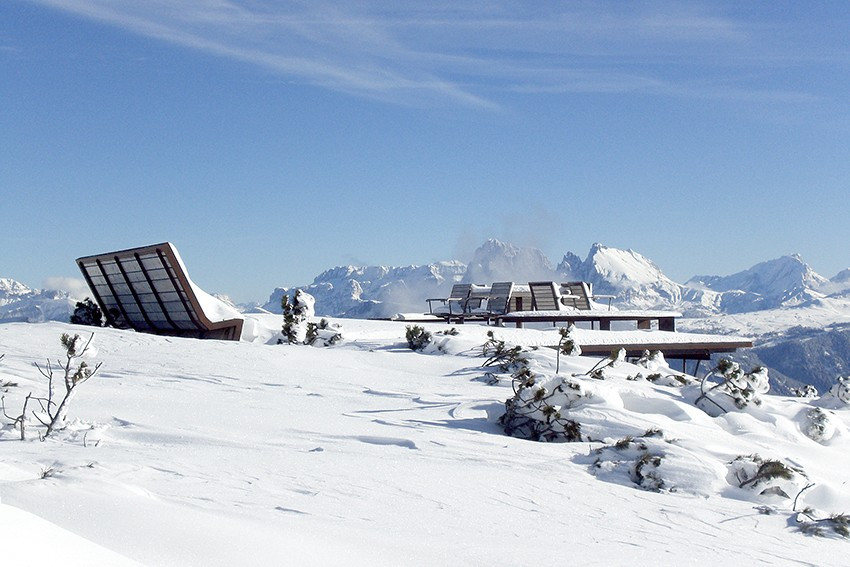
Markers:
point(19, 302)
point(636, 281)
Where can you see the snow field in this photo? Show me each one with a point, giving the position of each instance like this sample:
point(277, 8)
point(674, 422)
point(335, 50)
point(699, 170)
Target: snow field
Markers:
point(188, 452)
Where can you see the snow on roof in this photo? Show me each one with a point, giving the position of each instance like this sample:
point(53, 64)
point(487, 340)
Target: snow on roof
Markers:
point(215, 309)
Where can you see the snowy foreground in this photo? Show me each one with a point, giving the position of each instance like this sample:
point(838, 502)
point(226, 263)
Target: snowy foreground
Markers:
point(188, 452)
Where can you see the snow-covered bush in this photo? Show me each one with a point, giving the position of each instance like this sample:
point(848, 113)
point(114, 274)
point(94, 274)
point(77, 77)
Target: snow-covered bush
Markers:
point(674, 380)
point(736, 385)
point(652, 360)
point(837, 525)
point(653, 463)
point(87, 312)
point(417, 337)
point(766, 477)
point(840, 391)
point(567, 345)
point(322, 334)
point(507, 359)
point(617, 356)
point(659, 371)
point(818, 425)
point(295, 315)
point(540, 408)
point(808, 392)
point(633, 459)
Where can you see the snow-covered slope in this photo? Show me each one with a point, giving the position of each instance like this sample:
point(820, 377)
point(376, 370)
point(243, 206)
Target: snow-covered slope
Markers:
point(783, 282)
point(188, 452)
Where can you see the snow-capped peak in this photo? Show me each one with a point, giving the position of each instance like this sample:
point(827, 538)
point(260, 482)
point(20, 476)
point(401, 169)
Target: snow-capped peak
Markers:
point(21, 303)
point(613, 264)
point(779, 281)
point(632, 277)
point(9, 287)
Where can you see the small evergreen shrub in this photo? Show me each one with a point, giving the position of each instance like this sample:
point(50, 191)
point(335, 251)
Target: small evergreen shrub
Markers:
point(807, 392)
point(818, 425)
point(638, 459)
point(740, 387)
point(506, 359)
point(322, 334)
point(837, 525)
point(295, 315)
point(87, 312)
point(766, 477)
point(567, 345)
point(646, 472)
point(417, 337)
point(841, 390)
point(617, 356)
point(674, 380)
point(540, 410)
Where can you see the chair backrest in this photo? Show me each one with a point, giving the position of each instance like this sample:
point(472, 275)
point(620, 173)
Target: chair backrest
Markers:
point(499, 301)
point(460, 291)
point(544, 296)
point(580, 289)
point(148, 289)
point(461, 296)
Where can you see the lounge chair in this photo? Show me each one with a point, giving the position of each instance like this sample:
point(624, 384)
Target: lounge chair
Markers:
point(583, 295)
point(149, 290)
point(499, 299)
point(546, 296)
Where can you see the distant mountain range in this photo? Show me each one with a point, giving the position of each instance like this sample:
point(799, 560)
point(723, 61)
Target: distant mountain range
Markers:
point(799, 320)
point(794, 314)
point(21, 303)
point(636, 281)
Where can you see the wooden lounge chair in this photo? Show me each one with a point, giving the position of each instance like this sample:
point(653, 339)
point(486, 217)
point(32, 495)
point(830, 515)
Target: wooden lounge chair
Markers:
point(458, 297)
point(583, 292)
point(499, 299)
point(578, 294)
point(546, 296)
point(148, 289)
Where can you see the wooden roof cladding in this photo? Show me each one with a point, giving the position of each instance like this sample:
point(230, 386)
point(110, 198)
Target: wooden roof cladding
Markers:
point(148, 289)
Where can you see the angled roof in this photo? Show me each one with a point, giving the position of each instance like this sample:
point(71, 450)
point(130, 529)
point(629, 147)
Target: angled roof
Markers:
point(149, 290)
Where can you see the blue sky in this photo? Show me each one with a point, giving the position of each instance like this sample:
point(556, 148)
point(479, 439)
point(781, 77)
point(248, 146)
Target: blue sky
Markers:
point(272, 140)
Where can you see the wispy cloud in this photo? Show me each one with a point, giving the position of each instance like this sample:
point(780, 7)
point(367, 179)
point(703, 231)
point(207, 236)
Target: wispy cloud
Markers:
point(467, 53)
point(74, 286)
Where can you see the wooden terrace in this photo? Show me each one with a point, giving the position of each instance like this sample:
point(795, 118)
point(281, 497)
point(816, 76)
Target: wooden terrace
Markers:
point(574, 302)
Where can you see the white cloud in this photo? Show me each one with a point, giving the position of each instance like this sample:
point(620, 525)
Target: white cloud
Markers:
point(76, 287)
point(419, 53)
